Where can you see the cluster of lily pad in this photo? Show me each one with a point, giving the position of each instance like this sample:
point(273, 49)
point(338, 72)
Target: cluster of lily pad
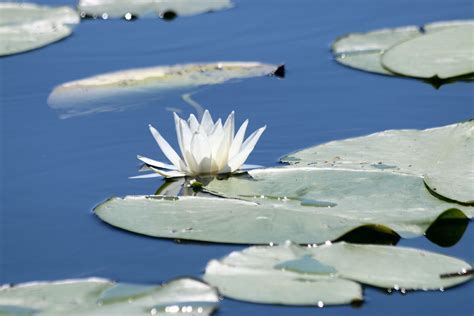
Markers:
point(372, 189)
point(400, 183)
point(27, 26)
point(437, 52)
point(96, 296)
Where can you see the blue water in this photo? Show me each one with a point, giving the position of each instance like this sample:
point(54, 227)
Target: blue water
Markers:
point(54, 171)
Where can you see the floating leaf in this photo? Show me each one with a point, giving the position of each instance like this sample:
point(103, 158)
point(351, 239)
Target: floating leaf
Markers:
point(119, 90)
point(276, 213)
point(289, 274)
point(364, 51)
point(443, 155)
point(103, 297)
point(442, 54)
point(262, 277)
point(27, 26)
point(166, 9)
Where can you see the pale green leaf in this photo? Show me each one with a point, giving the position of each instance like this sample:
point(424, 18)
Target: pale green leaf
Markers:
point(27, 26)
point(130, 88)
point(268, 274)
point(442, 54)
point(94, 297)
point(306, 205)
point(443, 155)
point(139, 8)
point(364, 51)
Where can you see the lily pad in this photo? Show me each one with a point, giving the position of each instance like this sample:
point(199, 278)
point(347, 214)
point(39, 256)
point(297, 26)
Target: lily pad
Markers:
point(27, 26)
point(275, 212)
point(365, 51)
point(103, 297)
point(128, 88)
point(260, 280)
point(443, 54)
point(443, 156)
point(106, 9)
point(290, 274)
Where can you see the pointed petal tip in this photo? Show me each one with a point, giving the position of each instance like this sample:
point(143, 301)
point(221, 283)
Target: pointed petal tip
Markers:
point(146, 176)
point(169, 174)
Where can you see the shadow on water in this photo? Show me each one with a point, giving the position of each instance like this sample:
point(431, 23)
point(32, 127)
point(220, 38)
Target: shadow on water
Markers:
point(448, 229)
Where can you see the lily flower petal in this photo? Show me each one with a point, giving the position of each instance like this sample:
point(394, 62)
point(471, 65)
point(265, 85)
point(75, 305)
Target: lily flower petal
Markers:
point(247, 147)
point(155, 163)
point(177, 120)
point(206, 123)
point(193, 123)
point(167, 149)
point(202, 152)
point(238, 139)
point(168, 174)
point(186, 138)
point(147, 176)
point(222, 153)
point(248, 167)
point(230, 122)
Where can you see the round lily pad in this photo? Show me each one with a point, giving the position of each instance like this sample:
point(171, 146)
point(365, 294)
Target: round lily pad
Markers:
point(27, 26)
point(442, 155)
point(128, 88)
point(306, 205)
point(166, 9)
point(94, 297)
point(290, 274)
point(366, 51)
point(443, 54)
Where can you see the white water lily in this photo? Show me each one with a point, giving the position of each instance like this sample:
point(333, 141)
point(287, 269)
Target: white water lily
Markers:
point(207, 148)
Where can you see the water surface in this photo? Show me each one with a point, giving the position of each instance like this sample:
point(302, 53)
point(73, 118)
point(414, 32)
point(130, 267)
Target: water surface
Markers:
point(53, 171)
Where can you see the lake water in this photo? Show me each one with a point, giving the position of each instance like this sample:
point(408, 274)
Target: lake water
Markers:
point(53, 171)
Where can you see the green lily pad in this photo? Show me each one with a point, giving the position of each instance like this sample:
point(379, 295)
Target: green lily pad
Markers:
point(443, 54)
point(103, 297)
point(280, 275)
point(128, 88)
point(444, 25)
point(443, 156)
point(275, 211)
point(365, 51)
point(106, 9)
point(268, 274)
point(27, 26)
